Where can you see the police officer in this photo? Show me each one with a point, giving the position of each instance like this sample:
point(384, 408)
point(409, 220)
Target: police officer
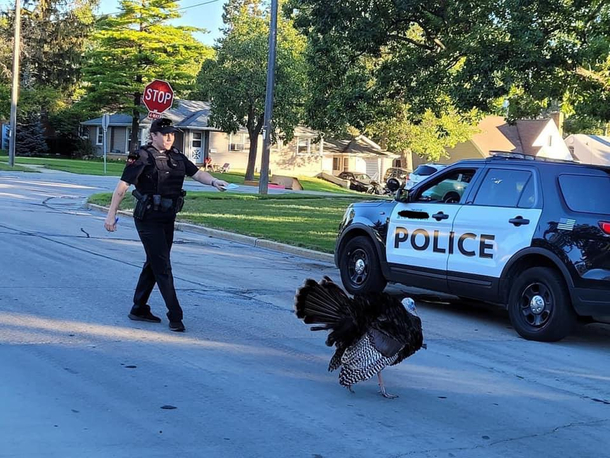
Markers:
point(157, 170)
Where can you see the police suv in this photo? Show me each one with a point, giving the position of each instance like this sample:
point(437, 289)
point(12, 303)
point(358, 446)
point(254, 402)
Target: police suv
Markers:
point(532, 235)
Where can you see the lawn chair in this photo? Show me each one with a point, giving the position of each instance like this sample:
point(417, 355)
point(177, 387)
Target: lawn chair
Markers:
point(225, 167)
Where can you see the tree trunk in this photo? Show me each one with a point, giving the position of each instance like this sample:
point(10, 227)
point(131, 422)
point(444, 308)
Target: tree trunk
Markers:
point(253, 131)
point(252, 154)
point(408, 155)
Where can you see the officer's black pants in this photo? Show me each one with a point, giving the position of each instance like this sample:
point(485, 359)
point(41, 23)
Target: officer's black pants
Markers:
point(157, 238)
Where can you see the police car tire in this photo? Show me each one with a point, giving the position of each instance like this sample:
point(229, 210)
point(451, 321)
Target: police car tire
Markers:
point(561, 317)
point(451, 198)
point(374, 282)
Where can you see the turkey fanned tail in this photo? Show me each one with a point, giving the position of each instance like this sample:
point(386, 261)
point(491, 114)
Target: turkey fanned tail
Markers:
point(326, 304)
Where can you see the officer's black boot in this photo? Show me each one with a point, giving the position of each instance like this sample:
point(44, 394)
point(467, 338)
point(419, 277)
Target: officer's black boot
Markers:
point(143, 313)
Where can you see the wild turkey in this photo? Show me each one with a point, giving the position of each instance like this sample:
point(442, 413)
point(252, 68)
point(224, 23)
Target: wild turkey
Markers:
point(370, 332)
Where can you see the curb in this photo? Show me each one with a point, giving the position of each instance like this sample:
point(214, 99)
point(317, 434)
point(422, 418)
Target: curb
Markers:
point(238, 238)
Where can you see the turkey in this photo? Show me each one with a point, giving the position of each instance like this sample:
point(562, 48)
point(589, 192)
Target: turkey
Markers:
point(369, 332)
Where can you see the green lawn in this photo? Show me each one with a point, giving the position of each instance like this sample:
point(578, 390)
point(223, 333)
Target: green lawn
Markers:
point(90, 167)
point(17, 168)
point(299, 220)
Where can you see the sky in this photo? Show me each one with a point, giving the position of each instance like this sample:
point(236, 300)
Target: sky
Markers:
point(205, 14)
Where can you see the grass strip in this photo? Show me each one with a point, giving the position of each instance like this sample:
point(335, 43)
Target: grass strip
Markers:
point(299, 220)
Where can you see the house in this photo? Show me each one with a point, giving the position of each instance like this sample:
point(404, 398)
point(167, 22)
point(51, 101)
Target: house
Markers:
point(306, 155)
point(538, 137)
point(590, 149)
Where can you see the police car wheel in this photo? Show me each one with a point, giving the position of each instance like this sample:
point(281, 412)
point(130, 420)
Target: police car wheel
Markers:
point(451, 198)
point(539, 305)
point(360, 269)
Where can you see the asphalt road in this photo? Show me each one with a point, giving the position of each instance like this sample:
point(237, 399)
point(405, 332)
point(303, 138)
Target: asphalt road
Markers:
point(247, 379)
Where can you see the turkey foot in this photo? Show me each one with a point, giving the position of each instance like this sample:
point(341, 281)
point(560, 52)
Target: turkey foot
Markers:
point(384, 393)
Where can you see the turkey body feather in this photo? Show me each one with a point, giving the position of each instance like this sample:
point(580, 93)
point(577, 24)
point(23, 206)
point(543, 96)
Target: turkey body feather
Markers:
point(369, 332)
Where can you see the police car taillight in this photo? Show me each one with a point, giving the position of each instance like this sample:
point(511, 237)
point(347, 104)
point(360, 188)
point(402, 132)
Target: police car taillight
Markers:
point(605, 225)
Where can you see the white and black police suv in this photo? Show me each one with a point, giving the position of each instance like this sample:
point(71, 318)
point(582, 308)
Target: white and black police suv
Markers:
point(532, 235)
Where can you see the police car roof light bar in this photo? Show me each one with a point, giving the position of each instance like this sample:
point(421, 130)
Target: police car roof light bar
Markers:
point(510, 155)
point(528, 157)
point(605, 226)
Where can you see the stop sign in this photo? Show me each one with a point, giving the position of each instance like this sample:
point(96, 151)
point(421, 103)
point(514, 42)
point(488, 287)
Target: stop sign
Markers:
point(158, 97)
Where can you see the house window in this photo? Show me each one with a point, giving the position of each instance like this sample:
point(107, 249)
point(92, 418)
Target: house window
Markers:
point(303, 145)
point(550, 140)
point(336, 163)
point(196, 142)
point(100, 136)
point(345, 164)
point(237, 142)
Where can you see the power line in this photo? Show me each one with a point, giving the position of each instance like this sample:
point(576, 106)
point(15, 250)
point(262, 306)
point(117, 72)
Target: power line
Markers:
point(179, 9)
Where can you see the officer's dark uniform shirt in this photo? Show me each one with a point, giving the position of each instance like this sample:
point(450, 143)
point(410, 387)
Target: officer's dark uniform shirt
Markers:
point(153, 172)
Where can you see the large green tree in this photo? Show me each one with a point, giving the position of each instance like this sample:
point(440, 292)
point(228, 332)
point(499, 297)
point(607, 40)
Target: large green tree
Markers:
point(370, 51)
point(235, 80)
point(54, 34)
point(135, 47)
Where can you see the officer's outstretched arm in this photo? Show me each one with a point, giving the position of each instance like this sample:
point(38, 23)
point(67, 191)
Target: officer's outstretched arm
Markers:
point(117, 197)
point(205, 178)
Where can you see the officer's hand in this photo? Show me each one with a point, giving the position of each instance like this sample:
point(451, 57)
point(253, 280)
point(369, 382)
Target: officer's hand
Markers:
point(221, 185)
point(110, 223)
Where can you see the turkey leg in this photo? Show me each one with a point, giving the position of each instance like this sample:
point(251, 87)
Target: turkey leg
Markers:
point(384, 393)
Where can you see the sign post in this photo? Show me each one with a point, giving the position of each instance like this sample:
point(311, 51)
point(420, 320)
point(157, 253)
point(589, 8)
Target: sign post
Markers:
point(158, 96)
point(105, 123)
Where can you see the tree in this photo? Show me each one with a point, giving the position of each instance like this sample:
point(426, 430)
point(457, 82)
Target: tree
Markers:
point(135, 47)
point(428, 135)
point(30, 137)
point(370, 51)
point(235, 81)
point(54, 36)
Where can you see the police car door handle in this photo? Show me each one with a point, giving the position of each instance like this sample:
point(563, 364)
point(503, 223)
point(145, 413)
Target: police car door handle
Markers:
point(439, 216)
point(518, 221)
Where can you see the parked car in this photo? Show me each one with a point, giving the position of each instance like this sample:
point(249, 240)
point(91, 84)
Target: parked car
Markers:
point(422, 172)
point(402, 175)
point(530, 235)
point(361, 182)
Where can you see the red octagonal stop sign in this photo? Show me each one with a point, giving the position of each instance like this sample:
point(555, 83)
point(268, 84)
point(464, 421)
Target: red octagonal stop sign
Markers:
point(158, 97)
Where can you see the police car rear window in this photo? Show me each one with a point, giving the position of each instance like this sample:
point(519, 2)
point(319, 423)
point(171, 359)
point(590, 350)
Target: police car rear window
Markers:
point(585, 193)
point(424, 170)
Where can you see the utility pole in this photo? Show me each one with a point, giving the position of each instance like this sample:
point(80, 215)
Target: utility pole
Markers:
point(15, 89)
point(263, 184)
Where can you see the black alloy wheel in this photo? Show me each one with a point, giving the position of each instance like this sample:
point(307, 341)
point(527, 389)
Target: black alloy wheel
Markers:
point(360, 269)
point(539, 305)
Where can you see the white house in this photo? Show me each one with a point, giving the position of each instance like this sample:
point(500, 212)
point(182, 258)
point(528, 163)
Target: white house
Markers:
point(589, 149)
point(537, 137)
point(305, 155)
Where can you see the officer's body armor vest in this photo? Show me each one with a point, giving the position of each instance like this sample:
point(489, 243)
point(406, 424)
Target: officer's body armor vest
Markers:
point(170, 170)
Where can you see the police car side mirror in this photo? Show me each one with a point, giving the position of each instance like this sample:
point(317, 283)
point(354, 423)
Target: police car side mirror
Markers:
point(402, 195)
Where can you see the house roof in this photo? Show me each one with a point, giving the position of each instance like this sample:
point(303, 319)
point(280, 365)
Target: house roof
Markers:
point(497, 135)
point(360, 146)
point(186, 114)
point(591, 149)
